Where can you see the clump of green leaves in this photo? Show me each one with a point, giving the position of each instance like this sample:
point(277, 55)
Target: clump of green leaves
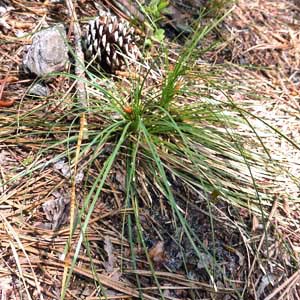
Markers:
point(156, 7)
point(153, 11)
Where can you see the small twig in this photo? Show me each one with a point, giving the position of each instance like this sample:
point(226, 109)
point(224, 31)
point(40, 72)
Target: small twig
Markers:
point(82, 96)
point(79, 64)
point(67, 259)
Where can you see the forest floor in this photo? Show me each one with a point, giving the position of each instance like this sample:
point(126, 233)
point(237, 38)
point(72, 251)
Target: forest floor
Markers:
point(257, 53)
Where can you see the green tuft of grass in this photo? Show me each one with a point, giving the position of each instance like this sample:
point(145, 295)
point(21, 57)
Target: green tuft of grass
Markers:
point(175, 138)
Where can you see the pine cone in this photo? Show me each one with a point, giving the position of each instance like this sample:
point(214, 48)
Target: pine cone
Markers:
point(108, 40)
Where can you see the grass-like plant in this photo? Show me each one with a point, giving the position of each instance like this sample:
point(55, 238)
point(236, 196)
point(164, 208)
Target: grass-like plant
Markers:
point(172, 134)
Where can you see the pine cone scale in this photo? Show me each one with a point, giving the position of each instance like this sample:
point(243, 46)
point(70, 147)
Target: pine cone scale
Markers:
point(109, 40)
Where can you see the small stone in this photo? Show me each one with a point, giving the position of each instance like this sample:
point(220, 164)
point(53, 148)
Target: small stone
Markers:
point(39, 89)
point(48, 52)
point(20, 33)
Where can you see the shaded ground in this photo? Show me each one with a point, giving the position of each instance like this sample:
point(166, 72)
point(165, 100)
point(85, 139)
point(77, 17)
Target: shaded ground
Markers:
point(259, 54)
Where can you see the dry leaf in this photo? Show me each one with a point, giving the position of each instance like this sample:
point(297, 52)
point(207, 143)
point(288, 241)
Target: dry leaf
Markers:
point(157, 252)
point(108, 247)
point(111, 259)
point(255, 223)
point(57, 210)
point(64, 168)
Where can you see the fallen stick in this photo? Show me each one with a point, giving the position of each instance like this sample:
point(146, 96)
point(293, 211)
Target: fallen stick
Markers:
point(79, 56)
point(83, 134)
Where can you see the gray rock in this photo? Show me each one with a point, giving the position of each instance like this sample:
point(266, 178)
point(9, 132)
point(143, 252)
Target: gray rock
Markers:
point(39, 89)
point(5, 6)
point(48, 52)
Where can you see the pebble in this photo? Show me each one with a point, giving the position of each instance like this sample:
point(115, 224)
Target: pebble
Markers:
point(48, 52)
point(39, 89)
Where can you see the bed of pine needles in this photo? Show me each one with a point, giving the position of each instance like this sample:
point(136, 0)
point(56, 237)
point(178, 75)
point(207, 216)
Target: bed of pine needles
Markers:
point(258, 57)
